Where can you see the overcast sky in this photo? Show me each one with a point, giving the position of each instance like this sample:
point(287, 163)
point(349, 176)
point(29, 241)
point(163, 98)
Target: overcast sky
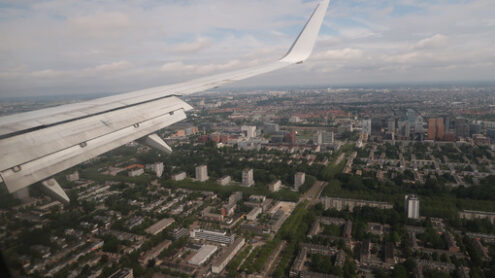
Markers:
point(73, 46)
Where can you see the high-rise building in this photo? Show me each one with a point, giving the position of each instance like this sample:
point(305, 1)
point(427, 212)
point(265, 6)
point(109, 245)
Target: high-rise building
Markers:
point(411, 116)
point(411, 205)
point(327, 137)
point(249, 131)
point(418, 124)
point(247, 177)
point(436, 130)
point(290, 138)
point(391, 125)
point(299, 179)
point(317, 138)
point(275, 186)
point(461, 128)
point(366, 126)
point(201, 173)
point(440, 129)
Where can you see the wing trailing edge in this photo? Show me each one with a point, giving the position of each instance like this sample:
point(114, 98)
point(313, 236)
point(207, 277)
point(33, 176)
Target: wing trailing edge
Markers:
point(36, 145)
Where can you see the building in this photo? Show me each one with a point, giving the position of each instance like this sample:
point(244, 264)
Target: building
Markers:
point(201, 173)
point(178, 177)
point(341, 203)
point(299, 179)
point(73, 177)
point(411, 205)
point(327, 137)
point(248, 131)
point(275, 186)
point(247, 177)
point(318, 138)
point(154, 252)
point(210, 216)
point(290, 138)
point(235, 197)
point(221, 262)
point(136, 172)
point(436, 129)
point(157, 168)
point(253, 214)
point(225, 180)
point(473, 214)
point(123, 273)
point(204, 253)
point(178, 233)
point(391, 125)
point(220, 237)
point(270, 128)
point(462, 128)
point(480, 139)
point(366, 126)
point(228, 210)
point(160, 226)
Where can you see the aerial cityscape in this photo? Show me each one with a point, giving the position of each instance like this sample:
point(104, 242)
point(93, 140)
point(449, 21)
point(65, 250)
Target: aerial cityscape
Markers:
point(348, 182)
point(249, 139)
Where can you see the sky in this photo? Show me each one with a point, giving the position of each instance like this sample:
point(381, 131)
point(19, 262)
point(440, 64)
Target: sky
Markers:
point(64, 47)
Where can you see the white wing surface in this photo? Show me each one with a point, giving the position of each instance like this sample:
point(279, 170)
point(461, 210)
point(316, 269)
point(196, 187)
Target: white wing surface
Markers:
point(36, 145)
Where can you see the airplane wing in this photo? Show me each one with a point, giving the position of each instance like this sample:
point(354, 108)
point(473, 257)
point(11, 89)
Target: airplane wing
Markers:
point(36, 145)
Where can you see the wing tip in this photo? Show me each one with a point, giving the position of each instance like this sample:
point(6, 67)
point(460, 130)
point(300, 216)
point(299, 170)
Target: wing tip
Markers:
point(303, 45)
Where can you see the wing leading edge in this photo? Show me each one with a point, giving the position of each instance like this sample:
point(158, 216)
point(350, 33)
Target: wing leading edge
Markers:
point(37, 145)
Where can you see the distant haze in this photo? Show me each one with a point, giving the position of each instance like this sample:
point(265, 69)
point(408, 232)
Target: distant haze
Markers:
point(75, 47)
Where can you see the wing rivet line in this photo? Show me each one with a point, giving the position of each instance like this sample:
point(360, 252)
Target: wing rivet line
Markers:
point(16, 168)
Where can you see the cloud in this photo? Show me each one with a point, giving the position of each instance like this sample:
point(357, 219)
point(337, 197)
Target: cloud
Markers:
point(181, 68)
point(110, 68)
point(435, 41)
point(191, 47)
point(65, 47)
point(340, 54)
